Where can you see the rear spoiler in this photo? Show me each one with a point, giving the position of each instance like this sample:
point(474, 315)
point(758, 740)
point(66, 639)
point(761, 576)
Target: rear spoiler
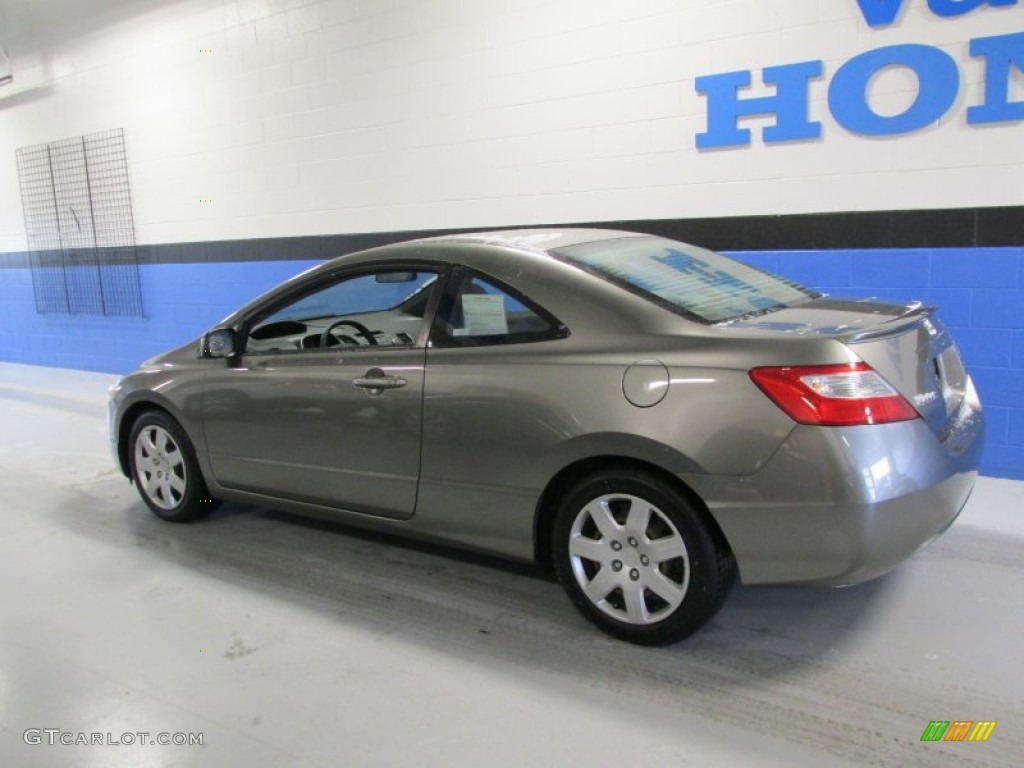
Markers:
point(914, 314)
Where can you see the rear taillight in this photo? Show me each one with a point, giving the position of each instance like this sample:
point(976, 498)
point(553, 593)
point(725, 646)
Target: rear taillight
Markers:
point(833, 395)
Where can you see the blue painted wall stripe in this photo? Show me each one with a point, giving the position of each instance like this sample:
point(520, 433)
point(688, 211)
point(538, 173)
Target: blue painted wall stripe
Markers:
point(979, 292)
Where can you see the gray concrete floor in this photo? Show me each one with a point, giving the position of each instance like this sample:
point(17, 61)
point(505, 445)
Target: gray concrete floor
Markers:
point(287, 642)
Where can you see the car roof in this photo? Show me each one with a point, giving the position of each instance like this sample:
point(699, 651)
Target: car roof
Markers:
point(533, 244)
point(533, 240)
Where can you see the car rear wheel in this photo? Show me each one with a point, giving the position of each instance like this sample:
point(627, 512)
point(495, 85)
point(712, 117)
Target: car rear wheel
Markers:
point(638, 559)
point(165, 471)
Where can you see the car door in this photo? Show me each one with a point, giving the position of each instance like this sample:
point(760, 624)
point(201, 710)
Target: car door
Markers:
point(324, 403)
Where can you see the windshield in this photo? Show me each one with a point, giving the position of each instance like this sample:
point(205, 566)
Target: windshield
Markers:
point(695, 282)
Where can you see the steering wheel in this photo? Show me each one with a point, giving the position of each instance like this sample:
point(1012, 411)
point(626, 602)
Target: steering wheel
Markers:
point(361, 329)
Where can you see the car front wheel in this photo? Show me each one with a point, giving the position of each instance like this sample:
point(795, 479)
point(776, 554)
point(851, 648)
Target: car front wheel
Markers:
point(165, 471)
point(638, 559)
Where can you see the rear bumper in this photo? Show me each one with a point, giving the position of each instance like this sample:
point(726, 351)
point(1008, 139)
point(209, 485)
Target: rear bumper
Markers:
point(841, 505)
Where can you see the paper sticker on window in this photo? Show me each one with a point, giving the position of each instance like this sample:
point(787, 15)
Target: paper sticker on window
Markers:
point(484, 314)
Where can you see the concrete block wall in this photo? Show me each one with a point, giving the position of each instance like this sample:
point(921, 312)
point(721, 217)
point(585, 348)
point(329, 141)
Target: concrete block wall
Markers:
point(299, 117)
point(180, 301)
point(330, 117)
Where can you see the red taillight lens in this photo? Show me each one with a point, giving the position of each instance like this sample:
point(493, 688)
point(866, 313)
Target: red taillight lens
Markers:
point(833, 395)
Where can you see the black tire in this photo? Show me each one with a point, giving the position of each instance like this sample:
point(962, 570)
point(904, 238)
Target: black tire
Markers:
point(650, 583)
point(164, 469)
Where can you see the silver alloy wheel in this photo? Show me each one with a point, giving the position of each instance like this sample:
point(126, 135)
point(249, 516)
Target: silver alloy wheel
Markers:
point(629, 559)
point(160, 466)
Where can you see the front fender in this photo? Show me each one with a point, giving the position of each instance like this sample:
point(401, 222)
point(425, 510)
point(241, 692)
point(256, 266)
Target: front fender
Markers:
point(179, 397)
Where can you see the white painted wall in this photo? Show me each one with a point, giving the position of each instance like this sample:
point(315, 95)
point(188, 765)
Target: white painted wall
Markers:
point(363, 115)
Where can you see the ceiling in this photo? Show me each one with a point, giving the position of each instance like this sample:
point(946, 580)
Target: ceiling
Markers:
point(27, 25)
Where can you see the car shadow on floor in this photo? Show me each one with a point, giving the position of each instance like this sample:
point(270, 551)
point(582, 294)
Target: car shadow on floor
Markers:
point(452, 599)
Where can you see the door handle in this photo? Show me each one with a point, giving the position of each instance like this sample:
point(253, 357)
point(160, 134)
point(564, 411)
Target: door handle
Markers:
point(375, 382)
point(379, 382)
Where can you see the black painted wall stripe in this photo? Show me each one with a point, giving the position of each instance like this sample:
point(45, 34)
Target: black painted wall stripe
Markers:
point(935, 228)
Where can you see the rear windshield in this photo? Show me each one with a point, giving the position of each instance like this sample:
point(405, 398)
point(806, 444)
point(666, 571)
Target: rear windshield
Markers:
point(695, 282)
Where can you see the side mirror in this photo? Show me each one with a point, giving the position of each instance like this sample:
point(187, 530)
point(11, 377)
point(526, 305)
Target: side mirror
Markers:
point(218, 343)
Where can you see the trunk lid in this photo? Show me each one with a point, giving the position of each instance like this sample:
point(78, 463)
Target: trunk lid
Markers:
point(905, 343)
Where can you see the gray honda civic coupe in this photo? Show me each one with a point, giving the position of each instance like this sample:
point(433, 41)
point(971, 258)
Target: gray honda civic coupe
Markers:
point(649, 419)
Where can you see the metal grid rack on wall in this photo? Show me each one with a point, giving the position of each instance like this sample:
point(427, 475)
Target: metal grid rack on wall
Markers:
point(78, 219)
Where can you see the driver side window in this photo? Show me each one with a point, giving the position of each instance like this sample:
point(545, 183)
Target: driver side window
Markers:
point(384, 308)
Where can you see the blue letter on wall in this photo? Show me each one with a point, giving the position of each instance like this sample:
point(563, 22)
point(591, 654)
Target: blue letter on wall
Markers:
point(1001, 53)
point(959, 7)
point(881, 13)
point(789, 105)
point(938, 83)
point(878, 13)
